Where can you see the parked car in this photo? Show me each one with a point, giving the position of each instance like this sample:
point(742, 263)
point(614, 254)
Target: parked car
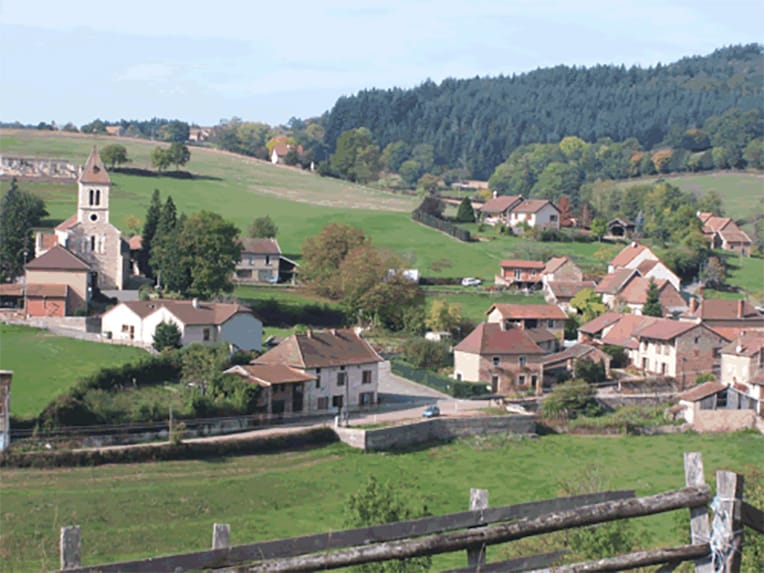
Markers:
point(431, 412)
point(471, 281)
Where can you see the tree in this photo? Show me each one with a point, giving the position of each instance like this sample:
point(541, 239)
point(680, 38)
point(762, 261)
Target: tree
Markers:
point(589, 370)
point(263, 227)
point(410, 171)
point(428, 182)
point(566, 211)
point(598, 228)
point(166, 336)
point(169, 259)
point(323, 254)
point(203, 365)
point(465, 213)
point(132, 223)
point(357, 158)
point(178, 154)
point(652, 306)
point(432, 205)
point(175, 131)
point(114, 154)
point(160, 159)
point(149, 230)
point(393, 155)
point(588, 303)
point(211, 247)
point(714, 274)
point(20, 211)
point(444, 316)
point(427, 354)
point(375, 504)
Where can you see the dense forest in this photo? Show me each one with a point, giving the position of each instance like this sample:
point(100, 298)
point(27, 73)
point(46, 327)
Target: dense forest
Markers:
point(476, 123)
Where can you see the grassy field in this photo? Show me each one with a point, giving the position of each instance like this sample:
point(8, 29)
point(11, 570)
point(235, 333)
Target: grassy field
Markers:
point(124, 510)
point(45, 365)
point(475, 303)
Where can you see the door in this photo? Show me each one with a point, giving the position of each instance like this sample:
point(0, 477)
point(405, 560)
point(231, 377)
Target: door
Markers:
point(297, 397)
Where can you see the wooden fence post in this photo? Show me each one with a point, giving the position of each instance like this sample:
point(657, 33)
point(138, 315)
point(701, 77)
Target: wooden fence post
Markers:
point(69, 547)
point(221, 535)
point(478, 500)
point(728, 522)
point(699, 529)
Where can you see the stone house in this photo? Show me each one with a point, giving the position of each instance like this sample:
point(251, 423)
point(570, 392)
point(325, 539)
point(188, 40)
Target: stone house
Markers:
point(728, 317)
point(520, 274)
point(561, 269)
point(562, 364)
point(283, 386)
point(626, 289)
point(58, 283)
point(529, 316)
point(723, 233)
point(262, 262)
point(715, 407)
point(135, 322)
point(620, 228)
point(344, 368)
point(500, 355)
point(562, 292)
point(743, 367)
point(631, 256)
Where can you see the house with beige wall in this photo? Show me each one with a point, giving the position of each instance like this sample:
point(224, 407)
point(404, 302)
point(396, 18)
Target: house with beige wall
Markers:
point(262, 262)
point(743, 367)
point(536, 213)
point(57, 284)
point(529, 316)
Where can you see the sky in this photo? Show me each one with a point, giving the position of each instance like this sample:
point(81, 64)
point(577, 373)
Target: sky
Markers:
point(203, 61)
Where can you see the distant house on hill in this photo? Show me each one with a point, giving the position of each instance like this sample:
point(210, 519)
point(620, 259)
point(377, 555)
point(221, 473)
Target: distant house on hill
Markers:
point(642, 259)
point(497, 209)
point(262, 262)
point(281, 150)
point(536, 213)
point(724, 233)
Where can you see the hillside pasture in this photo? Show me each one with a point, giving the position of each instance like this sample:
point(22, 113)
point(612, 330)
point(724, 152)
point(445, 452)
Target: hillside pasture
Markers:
point(45, 365)
point(124, 510)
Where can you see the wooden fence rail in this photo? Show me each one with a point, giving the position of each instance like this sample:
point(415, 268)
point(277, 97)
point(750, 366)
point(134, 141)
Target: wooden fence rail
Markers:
point(479, 528)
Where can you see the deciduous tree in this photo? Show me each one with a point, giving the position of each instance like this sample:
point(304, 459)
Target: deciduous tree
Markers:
point(323, 254)
point(114, 154)
point(263, 227)
point(444, 316)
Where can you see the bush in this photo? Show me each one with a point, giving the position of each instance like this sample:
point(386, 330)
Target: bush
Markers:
point(589, 371)
point(570, 399)
point(427, 354)
point(705, 377)
point(618, 356)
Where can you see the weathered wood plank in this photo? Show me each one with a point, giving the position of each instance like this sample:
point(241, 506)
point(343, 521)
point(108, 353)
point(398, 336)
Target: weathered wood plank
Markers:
point(478, 502)
point(219, 558)
point(456, 541)
point(69, 547)
point(753, 517)
point(728, 525)
point(699, 527)
point(221, 535)
point(515, 565)
point(632, 560)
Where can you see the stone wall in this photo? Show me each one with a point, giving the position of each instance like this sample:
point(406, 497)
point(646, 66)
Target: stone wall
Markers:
point(38, 168)
point(724, 420)
point(435, 430)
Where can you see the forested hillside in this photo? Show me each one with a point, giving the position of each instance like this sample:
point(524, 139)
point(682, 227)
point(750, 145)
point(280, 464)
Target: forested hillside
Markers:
point(477, 123)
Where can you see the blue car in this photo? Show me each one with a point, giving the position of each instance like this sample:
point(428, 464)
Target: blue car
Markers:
point(431, 412)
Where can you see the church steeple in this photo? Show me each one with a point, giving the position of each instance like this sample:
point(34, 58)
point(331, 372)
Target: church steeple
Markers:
point(94, 185)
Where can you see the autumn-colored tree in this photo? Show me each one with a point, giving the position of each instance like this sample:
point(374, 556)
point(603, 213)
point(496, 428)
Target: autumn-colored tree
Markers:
point(444, 316)
point(566, 212)
point(586, 216)
point(662, 160)
point(323, 255)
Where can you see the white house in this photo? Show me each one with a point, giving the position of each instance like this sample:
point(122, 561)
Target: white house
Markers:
point(536, 213)
point(134, 322)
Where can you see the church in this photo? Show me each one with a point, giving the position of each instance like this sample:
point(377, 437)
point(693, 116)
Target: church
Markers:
point(85, 245)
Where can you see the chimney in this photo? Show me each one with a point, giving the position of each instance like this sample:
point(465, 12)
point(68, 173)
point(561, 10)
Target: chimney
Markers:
point(740, 308)
point(634, 244)
point(333, 331)
point(693, 305)
point(495, 194)
point(195, 302)
point(739, 349)
point(309, 333)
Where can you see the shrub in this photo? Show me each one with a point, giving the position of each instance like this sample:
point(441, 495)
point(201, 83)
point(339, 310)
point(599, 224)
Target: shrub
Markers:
point(67, 411)
point(427, 354)
point(569, 399)
point(589, 371)
point(166, 336)
point(705, 377)
point(618, 356)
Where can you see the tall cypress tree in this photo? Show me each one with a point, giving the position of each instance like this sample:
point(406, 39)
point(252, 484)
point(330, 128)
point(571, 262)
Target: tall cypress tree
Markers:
point(149, 230)
point(652, 305)
point(19, 212)
point(465, 214)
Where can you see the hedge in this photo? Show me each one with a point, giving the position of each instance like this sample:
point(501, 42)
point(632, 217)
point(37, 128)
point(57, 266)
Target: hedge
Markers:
point(455, 388)
point(445, 226)
point(167, 451)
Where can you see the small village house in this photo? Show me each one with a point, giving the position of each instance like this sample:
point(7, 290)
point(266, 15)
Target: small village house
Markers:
point(283, 386)
point(497, 209)
point(262, 262)
point(730, 318)
point(561, 365)
point(57, 284)
point(529, 316)
point(561, 269)
point(135, 322)
point(620, 228)
point(715, 407)
point(723, 233)
point(640, 258)
point(743, 367)
point(538, 214)
point(343, 367)
point(560, 293)
point(519, 274)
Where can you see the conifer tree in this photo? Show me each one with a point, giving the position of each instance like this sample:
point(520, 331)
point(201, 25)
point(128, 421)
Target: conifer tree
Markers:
point(465, 214)
point(652, 305)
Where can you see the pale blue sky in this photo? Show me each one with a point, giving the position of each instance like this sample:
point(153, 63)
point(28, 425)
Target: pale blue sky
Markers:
point(201, 61)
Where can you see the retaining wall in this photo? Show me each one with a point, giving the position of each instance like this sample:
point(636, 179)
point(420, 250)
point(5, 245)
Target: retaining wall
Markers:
point(435, 430)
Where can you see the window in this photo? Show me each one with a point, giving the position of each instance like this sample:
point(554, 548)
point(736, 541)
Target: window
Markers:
point(267, 259)
point(93, 217)
point(318, 378)
point(550, 323)
point(496, 360)
point(533, 273)
point(125, 328)
point(721, 399)
point(98, 197)
point(517, 274)
point(92, 243)
point(366, 398)
point(534, 379)
point(521, 380)
point(697, 340)
point(459, 376)
point(206, 334)
point(664, 369)
point(366, 377)
point(553, 218)
point(91, 197)
point(523, 361)
point(323, 403)
point(337, 401)
point(342, 377)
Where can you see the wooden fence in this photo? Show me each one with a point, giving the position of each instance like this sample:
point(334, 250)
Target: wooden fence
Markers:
point(712, 548)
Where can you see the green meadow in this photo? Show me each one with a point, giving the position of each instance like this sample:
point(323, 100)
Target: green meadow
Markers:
point(45, 365)
point(124, 510)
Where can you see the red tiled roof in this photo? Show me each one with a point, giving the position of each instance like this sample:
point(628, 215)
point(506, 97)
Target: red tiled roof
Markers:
point(635, 291)
point(500, 204)
point(728, 333)
point(748, 344)
point(602, 321)
point(489, 338)
point(627, 329)
point(701, 391)
point(568, 289)
point(714, 224)
point(576, 351)
point(135, 243)
point(615, 281)
point(628, 254)
point(47, 291)
point(208, 312)
point(260, 246)
point(280, 149)
point(666, 329)
point(269, 374)
point(94, 171)
point(554, 263)
point(704, 216)
point(321, 349)
point(540, 335)
point(521, 264)
point(58, 258)
point(735, 236)
point(529, 311)
point(68, 224)
point(646, 266)
point(533, 206)
point(725, 309)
